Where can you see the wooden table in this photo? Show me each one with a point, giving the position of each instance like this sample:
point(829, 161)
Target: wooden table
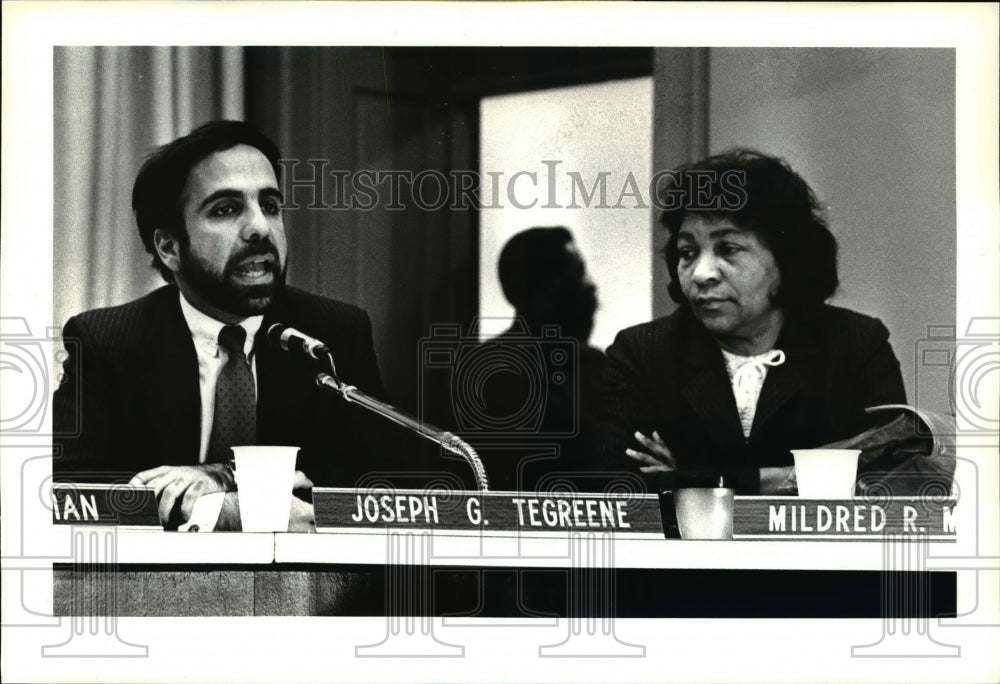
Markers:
point(128, 572)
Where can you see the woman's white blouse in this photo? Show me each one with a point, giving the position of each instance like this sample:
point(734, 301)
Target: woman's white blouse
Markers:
point(747, 373)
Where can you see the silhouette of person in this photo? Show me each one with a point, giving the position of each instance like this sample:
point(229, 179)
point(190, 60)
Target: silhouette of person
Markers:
point(540, 389)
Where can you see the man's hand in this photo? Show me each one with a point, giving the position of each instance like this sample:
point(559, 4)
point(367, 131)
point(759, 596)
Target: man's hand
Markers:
point(657, 457)
point(300, 518)
point(178, 487)
point(301, 481)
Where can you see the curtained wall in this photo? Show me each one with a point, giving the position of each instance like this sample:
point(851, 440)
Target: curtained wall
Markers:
point(113, 106)
point(350, 109)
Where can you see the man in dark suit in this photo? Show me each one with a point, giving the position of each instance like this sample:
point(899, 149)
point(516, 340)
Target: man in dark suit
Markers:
point(164, 385)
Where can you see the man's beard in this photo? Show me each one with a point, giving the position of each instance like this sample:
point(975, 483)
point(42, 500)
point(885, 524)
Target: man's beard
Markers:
point(223, 292)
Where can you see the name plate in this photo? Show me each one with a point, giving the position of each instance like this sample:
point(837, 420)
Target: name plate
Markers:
point(489, 512)
point(104, 504)
point(791, 517)
point(771, 518)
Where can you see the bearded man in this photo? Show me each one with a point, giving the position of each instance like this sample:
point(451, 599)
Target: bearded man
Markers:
point(166, 384)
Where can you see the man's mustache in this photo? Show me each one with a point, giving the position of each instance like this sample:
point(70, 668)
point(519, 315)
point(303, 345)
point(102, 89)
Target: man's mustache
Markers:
point(262, 248)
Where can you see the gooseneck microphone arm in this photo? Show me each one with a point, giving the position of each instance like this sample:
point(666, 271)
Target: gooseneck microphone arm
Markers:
point(445, 439)
point(292, 340)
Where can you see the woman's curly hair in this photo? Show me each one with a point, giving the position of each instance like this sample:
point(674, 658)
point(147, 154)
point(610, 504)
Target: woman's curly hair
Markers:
point(760, 193)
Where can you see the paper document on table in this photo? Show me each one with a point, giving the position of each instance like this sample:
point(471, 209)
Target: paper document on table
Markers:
point(205, 514)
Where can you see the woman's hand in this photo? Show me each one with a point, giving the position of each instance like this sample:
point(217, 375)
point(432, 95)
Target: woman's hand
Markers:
point(778, 481)
point(656, 458)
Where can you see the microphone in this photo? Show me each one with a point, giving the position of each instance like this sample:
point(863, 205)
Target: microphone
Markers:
point(290, 339)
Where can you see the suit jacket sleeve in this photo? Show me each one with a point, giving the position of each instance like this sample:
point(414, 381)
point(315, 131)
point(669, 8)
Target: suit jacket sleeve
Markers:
point(877, 379)
point(343, 444)
point(626, 404)
point(375, 438)
point(629, 405)
point(394, 453)
point(368, 373)
point(852, 368)
point(82, 408)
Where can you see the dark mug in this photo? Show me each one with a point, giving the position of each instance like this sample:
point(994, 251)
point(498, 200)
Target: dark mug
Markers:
point(668, 515)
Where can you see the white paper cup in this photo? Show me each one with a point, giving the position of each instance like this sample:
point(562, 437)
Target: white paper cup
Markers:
point(264, 478)
point(704, 513)
point(826, 473)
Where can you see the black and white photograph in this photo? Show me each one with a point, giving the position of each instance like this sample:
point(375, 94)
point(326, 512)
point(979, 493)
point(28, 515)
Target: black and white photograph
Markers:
point(407, 342)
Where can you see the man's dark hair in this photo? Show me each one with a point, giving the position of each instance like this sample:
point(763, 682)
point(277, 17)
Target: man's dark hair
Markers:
point(529, 260)
point(763, 194)
point(157, 194)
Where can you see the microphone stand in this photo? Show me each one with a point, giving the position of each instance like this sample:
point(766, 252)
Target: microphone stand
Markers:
point(447, 440)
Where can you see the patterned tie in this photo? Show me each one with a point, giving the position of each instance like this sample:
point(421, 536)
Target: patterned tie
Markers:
point(235, 420)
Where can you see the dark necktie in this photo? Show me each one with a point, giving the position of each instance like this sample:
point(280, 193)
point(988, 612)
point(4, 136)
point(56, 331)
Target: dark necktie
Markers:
point(235, 420)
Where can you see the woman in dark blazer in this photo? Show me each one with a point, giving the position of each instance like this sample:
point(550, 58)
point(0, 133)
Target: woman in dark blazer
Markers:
point(753, 363)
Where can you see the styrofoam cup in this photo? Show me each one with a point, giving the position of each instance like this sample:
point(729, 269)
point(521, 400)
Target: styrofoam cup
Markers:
point(826, 473)
point(264, 478)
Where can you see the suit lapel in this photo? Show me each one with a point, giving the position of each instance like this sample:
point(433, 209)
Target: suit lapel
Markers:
point(787, 380)
point(172, 391)
point(707, 390)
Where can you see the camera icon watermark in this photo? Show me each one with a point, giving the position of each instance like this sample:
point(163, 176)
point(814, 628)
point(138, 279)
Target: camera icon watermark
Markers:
point(514, 386)
point(966, 369)
point(31, 368)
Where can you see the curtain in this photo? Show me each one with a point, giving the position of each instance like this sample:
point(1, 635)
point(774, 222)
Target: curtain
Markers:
point(113, 106)
point(348, 109)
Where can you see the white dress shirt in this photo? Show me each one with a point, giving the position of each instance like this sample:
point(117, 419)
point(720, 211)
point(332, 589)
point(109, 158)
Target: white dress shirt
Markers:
point(211, 358)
